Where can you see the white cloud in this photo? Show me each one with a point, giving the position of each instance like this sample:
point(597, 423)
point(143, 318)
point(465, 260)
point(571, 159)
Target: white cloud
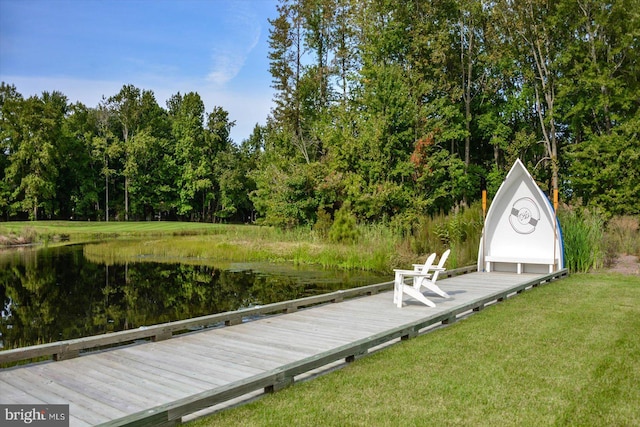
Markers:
point(230, 54)
point(226, 65)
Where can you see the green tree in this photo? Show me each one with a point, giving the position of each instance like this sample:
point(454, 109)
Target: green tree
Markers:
point(33, 170)
point(105, 148)
point(604, 169)
point(78, 184)
point(221, 157)
point(601, 104)
point(10, 102)
point(149, 163)
point(187, 116)
point(286, 190)
point(126, 107)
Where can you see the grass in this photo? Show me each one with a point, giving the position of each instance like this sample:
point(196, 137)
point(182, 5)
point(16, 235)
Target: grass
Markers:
point(565, 354)
point(240, 248)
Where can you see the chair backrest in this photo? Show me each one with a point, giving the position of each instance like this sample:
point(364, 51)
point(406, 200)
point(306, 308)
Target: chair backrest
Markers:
point(428, 263)
point(443, 259)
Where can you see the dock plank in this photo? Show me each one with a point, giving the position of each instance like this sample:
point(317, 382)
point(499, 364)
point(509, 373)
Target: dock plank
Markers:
point(15, 394)
point(225, 353)
point(123, 400)
point(176, 373)
point(86, 410)
point(264, 350)
point(194, 365)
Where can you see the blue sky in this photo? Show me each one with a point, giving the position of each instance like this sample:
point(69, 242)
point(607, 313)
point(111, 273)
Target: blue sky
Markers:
point(90, 48)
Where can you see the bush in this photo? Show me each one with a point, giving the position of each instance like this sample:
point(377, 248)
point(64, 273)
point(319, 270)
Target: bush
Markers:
point(344, 227)
point(323, 224)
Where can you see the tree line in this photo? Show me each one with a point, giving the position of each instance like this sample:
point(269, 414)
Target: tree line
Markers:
point(127, 158)
point(385, 110)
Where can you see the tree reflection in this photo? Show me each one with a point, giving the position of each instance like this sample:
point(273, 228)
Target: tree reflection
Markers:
point(55, 294)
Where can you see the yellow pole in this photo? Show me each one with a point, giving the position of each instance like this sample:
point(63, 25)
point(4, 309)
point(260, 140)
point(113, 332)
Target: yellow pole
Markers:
point(555, 226)
point(484, 203)
point(484, 221)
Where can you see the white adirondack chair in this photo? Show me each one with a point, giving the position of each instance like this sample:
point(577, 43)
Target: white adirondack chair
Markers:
point(429, 281)
point(401, 288)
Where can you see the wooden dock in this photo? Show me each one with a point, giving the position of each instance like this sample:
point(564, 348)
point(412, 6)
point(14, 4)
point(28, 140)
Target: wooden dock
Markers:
point(159, 382)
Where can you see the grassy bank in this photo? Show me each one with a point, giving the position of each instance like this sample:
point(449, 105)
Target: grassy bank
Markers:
point(118, 242)
point(375, 247)
point(565, 354)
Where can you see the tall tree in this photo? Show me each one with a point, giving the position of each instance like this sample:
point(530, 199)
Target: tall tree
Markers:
point(220, 156)
point(149, 163)
point(537, 32)
point(187, 115)
point(473, 74)
point(79, 175)
point(345, 60)
point(287, 49)
point(126, 107)
point(105, 148)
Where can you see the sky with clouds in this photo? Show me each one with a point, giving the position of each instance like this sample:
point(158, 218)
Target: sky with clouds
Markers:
point(87, 49)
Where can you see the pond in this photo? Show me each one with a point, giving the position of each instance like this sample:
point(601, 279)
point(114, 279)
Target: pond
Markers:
point(52, 294)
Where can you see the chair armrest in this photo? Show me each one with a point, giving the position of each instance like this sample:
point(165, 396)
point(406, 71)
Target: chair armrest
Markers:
point(418, 267)
point(412, 273)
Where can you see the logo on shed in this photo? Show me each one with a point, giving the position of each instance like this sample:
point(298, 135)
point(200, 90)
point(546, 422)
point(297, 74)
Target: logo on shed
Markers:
point(524, 216)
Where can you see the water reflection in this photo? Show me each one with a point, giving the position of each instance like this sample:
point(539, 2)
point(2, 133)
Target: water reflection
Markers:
point(54, 294)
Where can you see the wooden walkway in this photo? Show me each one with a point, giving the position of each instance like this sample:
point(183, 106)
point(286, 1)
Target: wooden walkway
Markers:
point(157, 383)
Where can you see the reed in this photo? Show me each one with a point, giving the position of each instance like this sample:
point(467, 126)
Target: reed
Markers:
point(583, 231)
point(375, 247)
point(183, 249)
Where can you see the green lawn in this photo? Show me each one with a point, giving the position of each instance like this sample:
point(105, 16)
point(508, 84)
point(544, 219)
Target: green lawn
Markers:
point(567, 353)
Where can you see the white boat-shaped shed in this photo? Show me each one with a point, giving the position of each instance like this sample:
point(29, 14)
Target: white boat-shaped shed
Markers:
point(521, 231)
